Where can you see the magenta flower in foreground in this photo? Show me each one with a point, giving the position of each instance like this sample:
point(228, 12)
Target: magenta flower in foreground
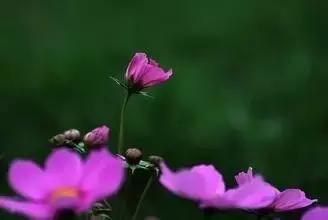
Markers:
point(97, 137)
point(144, 72)
point(289, 199)
point(65, 182)
point(204, 184)
point(318, 213)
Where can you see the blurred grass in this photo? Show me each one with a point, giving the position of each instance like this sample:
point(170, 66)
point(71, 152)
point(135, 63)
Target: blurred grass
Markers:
point(249, 88)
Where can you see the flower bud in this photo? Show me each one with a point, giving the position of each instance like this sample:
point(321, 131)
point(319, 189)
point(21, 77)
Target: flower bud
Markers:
point(144, 72)
point(72, 134)
point(133, 155)
point(97, 137)
point(156, 160)
point(58, 139)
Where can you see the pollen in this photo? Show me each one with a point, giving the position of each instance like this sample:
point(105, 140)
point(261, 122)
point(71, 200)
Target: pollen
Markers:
point(64, 192)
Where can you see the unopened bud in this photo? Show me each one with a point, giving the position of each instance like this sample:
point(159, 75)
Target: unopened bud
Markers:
point(58, 139)
point(156, 160)
point(97, 137)
point(133, 155)
point(72, 134)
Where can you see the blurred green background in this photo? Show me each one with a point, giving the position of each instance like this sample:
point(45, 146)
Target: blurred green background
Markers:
point(250, 86)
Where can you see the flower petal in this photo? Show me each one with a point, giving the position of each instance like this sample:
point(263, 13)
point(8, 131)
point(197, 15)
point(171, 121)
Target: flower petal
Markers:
point(103, 175)
point(318, 213)
point(291, 199)
point(255, 194)
point(252, 195)
point(183, 182)
point(63, 168)
point(27, 179)
point(153, 75)
point(214, 181)
point(167, 177)
point(135, 66)
point(29, 209)
point(199, 183)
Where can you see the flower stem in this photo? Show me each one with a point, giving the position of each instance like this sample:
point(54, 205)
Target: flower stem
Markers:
point(121, 129)
point(143, 195)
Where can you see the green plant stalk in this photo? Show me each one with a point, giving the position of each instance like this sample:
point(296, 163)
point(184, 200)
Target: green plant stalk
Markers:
point(121, 129)
point(142, 197)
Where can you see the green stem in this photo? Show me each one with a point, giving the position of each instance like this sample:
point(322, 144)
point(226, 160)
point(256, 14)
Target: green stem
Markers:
point(121, 129)
point(143, 195)
point(122, 212)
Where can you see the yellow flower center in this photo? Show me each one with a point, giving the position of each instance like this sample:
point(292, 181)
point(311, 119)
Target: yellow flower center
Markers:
point(64, 192)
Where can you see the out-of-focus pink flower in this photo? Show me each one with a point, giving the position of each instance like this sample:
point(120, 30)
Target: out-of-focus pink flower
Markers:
point(65, 182)
point(205, 185)
point(97, 137)
point(318, 213)
point(289, 199)
point(144, 72)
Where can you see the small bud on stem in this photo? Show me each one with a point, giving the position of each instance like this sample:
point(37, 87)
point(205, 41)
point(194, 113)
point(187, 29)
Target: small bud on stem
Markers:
point(133, 155)
point(72, 134)
point(97, 137)
point(156, 160)
point(58, 139)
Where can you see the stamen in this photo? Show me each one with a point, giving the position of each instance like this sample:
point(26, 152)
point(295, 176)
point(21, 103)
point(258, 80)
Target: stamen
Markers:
point(64, 192)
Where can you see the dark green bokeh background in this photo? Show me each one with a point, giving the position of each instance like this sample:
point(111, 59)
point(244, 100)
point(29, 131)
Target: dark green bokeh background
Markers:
point(250, 85)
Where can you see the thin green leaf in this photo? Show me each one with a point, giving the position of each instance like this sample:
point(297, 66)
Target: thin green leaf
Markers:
point(146, 94)
point(118, 82)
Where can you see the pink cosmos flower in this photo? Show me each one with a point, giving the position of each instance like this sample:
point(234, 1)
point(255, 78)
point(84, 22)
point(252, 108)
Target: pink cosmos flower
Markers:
point(318, 213)
point(289, 199)
point(65, 182)
point(144, 72)
point(98, 136)
point(204, 184)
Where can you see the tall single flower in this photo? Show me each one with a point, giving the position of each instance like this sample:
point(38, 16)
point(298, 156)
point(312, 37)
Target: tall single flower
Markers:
point(318, 213)
point(289, 199)
point(143, 72)
point(65, 182)
point(205, 185)
point(97, 137)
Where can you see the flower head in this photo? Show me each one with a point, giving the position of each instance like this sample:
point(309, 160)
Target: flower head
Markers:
point(318, 213)
point(289, 199)
point(204, 184)
point(65, 182)
point(97, 137)
point(143, 72)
